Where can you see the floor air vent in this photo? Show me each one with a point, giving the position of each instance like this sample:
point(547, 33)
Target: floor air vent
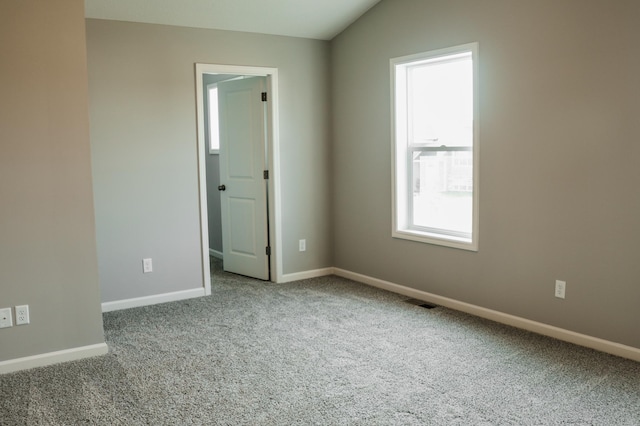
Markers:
point(421, 303)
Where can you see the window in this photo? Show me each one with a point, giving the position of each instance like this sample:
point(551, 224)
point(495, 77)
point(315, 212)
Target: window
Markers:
point(435, 143)
point(214, 135)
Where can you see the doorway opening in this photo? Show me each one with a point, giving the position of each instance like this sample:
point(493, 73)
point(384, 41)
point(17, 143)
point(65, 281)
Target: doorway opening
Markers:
point(205, 75)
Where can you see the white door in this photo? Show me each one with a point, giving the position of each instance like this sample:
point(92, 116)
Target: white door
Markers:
point(243, 190)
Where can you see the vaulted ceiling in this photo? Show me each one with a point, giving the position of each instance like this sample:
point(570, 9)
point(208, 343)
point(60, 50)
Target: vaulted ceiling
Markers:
point(316, 19)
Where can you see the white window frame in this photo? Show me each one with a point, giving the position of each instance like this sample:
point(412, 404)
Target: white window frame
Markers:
point(401, 163)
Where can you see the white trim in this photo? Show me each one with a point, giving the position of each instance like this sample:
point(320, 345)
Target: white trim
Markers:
point(153, 299)
point(215, 253)
point(296, 276)
point(275, 216)
point(273, 144)
point(512, 320)
point(202, 184)
point(42, 360)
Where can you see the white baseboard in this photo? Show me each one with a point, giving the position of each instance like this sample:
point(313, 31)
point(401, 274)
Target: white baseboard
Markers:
point(215, 253)
point(512, 320)
point(306, 274)
point(42, 360)
point(152, 300)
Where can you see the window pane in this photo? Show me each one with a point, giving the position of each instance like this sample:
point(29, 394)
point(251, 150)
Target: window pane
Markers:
point(214, 135)
point(441, 102)
point(443, 191)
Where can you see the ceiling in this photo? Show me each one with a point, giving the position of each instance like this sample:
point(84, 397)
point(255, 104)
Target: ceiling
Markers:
point(316, 19)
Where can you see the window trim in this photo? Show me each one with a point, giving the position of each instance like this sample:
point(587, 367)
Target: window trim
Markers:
point(402, 206)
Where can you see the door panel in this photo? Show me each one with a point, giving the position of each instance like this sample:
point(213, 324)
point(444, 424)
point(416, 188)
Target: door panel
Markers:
point(239, 125)
point(242, 161)
point(242, 216)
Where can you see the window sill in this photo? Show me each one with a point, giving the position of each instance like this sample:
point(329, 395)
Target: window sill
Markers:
point(436, 239)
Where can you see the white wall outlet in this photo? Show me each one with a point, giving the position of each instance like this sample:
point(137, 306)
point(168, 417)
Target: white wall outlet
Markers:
point(147, 265)
point(302, 245)
point(561, 287)
point(6, 320)
point(22, 314)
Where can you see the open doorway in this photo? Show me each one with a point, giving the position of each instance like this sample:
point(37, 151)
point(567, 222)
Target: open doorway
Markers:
point(210, 74)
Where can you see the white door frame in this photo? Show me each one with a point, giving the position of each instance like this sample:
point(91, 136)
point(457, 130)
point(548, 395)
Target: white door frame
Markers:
point(273, 161)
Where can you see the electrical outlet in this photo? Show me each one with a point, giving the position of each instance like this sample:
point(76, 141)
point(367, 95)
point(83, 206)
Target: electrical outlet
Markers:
point(561, 287)
point(302, 245)
point(147, 265)
point(22, 314)
point(5, 318)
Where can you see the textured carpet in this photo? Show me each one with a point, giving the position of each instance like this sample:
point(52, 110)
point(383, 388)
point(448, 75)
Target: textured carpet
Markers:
point(323, 351)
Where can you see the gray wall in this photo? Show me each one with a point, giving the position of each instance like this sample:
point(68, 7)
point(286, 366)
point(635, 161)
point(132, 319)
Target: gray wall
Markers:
point(47, 231)
point(144, 148)
point(559, 155)
point(213, 202)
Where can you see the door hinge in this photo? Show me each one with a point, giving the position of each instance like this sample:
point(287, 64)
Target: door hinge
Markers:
point(264, 96)
point(268, 251)
point(265, 174)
